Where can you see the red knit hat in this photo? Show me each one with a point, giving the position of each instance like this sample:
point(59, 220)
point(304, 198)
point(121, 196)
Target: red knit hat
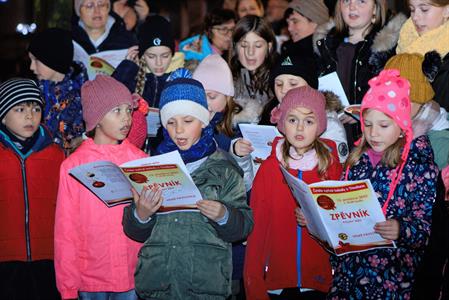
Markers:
point(306, 97)
point(99, 96)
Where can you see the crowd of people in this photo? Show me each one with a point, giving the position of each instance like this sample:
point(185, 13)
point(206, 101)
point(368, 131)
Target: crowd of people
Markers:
point(248, 237)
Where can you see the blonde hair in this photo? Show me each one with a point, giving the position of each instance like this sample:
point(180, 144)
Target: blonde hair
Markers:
point(323, 153)
point(140, 77)
point(380, 16)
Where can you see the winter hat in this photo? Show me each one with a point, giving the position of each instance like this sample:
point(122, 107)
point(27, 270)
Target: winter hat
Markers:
point(99, 96)
point(303, 96)
point(54, 48)
point(304, 67)
point(183, 96)
point(314, 10)
point(18, 90)
point(155, 31)
point(214, 74)
point(410, 67)
point(390, 94)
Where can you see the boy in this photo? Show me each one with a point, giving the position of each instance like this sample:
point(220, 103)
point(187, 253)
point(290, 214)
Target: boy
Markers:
point(29, 173)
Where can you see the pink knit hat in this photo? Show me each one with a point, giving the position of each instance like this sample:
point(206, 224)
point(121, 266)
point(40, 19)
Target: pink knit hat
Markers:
point(99, 96)
point(390, 94)
point(214, 74)
point(304, 96)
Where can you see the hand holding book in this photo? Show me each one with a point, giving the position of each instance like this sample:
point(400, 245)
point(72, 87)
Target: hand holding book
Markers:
point(148, 202)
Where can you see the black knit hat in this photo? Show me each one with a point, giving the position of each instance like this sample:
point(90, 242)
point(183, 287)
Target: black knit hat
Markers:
point(303, 67)
point(155, 31)
point(18, 90)
point(54, 48)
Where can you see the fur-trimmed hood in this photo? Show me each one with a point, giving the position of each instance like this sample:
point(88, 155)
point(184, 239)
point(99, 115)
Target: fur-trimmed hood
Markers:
point(333, 102)
point(384, 40)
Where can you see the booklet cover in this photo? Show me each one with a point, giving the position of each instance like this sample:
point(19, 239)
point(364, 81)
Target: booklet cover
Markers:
point(332, 83)
point(340, 214)
point(112, 184)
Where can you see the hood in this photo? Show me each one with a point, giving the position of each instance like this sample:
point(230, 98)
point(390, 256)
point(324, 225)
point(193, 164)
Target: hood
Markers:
point(384, 40)
point(333, 102)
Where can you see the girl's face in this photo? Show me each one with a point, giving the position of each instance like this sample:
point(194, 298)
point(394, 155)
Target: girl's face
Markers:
point(357, 14)
point(380, 130)
point(43, 72)
point(184, 130)
point(301, 128)
point(216, 102)
point(426, 16)
point(158, 59)
point(249, 7)
point(299, 26)
point(23, 119)
point(285, 82)
point(252, 51)
point(114, 126)
point(222, 35)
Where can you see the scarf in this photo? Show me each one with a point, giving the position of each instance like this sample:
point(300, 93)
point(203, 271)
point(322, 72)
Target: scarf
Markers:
point(305, 162)
point(23, 146)
point(204, 147)
point(411, 42)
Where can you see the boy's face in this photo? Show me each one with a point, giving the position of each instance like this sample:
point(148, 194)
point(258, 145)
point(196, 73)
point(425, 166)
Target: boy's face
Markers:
point(43, 72)
point(184, 130)
point(23, 119)
point(115, 125)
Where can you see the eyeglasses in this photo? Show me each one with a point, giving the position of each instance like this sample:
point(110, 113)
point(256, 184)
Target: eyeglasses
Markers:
point(90, 6)
point(224, 30)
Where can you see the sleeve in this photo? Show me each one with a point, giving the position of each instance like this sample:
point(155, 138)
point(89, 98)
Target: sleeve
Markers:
point(419, 195)
point(240, 219)
point(126, 73)
point(67, 239)
point(256, 250)
point(134, 229)
point(245, 164)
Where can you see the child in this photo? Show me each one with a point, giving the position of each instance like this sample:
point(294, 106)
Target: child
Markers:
point(144, 71)
point(273, 269)
point(30, 164)
point(404, 176)
point(187, 254)
point(214, 74)
point(93, 257)
point(427, 31)
point(60, 81)
point(427, 115)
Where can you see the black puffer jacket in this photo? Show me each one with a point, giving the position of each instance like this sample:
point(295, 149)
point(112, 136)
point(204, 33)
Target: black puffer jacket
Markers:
point(370, 55)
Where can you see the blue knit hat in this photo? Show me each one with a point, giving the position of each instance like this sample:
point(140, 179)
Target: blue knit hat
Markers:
point(183, 96)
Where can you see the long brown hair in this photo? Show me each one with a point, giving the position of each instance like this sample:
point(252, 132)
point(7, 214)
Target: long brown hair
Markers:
point(140, 77)
point(225, 126)
point(325, 158)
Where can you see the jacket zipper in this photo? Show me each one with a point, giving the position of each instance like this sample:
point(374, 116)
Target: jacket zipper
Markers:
point(27, 210)
point(355, 73)
point(155, 91)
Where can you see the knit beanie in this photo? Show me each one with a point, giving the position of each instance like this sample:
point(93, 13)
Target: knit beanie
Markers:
point(183, 96)
point(99, 96)
point(17, 90)
point(314, 10)
point(304, 67)
point(214, 74)
point(410, 67)
point(303, 96)
point(54, 48)
point(155, 31)
point(389, 93)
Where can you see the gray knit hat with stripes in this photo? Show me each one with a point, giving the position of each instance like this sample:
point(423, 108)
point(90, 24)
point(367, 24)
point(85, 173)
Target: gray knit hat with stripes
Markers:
point(18, 90)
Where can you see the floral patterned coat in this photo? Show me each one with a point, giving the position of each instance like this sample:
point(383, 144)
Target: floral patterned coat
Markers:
point(388, 273)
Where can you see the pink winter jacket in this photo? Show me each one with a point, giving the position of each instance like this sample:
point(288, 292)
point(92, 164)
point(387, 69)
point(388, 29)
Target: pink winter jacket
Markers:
point(92, 253)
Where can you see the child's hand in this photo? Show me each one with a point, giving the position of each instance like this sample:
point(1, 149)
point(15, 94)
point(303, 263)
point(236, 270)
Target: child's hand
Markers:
point(148, 202)
point(212, 209)
point(142, 9)
point(300, 217)
point(389, 229)
point(243, 147)
point(133, 54)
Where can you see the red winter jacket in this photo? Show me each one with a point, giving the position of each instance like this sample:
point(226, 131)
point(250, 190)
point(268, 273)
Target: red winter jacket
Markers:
point(28, 189)
point(271, 254)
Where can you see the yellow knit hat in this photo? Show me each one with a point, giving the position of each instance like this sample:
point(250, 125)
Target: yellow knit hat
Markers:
point(410, 67)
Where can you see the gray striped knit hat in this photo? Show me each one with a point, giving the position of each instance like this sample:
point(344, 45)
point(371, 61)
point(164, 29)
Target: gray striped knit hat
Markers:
point(18, 90)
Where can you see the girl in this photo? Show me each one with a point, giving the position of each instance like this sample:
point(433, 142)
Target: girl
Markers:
point(249, 7)
point(356, 45)
point(187, 254)
point(427, 29)
point(93, 257)
point(282, 258)
point(146, 68)
point(404, 176)
point(214, 74)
